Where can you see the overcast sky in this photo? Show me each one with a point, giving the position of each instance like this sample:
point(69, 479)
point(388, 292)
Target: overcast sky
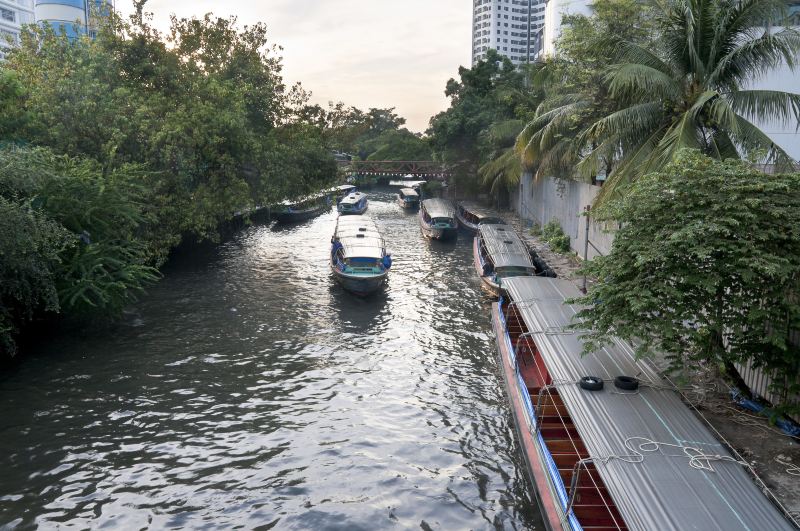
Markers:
point(367, 53)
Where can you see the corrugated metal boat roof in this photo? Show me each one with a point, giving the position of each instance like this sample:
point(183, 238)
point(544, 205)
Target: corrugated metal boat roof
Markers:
point(480, 211)
point(439, 208)
point(662, 491)
point(360, 237)
point(505, 247)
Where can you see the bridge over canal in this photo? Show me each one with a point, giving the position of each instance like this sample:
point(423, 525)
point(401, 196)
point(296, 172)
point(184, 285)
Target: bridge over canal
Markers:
point(424, 169)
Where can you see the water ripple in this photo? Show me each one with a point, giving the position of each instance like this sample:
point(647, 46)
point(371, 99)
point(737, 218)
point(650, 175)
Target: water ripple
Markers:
point(249, 391)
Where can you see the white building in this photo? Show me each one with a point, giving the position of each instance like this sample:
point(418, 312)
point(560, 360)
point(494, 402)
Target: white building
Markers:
point(13, 15)
point(71, 17)
point(512, 27)
point(553, 13)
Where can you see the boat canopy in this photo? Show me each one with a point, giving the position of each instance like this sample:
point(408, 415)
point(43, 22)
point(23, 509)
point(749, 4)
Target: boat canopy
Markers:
point(505, 248)
point(481, 213)
point(344, 188)
point(359, 237)
point(352, 199)
point(439, 208)
point(409, 192)
point(647, 446)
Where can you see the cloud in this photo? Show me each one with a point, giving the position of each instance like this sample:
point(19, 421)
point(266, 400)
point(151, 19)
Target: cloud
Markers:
point(373, 53)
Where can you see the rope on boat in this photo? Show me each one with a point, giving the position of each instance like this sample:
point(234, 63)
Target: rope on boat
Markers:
point(698, 459)
point(792, 469)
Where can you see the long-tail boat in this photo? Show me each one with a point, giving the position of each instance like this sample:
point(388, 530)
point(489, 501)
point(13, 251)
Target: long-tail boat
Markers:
point(498, 254)
point(437, 218)
point(471, 215)
point(305, 208)
point(408, 198)
point(359, 260)
point(609, 445)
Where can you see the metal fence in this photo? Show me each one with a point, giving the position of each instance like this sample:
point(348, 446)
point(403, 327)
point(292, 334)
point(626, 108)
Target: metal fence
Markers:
point(760, 382)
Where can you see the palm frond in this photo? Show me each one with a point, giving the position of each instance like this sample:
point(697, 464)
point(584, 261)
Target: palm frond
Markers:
point(764, 105)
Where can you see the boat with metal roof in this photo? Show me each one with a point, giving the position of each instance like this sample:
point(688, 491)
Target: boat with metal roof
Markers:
point(498, 254)
point(408, 198)
point(471, 215)
point(358, 259)
point(610, 445)
point(437, 218)
point(354, 203)
point(294, 211)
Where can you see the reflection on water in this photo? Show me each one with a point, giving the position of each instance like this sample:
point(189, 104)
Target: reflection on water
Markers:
point(249, 390)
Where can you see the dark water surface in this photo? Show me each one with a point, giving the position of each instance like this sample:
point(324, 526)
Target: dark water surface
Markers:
point(247, 390)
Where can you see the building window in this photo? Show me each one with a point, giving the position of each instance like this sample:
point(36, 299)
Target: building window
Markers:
point(7, 14)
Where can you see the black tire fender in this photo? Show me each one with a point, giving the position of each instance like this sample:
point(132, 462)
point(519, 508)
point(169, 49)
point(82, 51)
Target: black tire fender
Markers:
point(626, 383)
point(591, 383)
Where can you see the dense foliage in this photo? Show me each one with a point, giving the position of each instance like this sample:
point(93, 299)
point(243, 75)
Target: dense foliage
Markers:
point(114, 150)
point(713, 277)
point(670, 78)
point(488, 106)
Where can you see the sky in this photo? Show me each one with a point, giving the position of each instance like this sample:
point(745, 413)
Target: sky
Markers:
point(366, 53)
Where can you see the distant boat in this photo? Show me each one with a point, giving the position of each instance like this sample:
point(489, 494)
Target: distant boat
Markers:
point(359, 260)
point(437, 217)
point(608, 444)
point(343, 191)
point(294, 211)
point(500, 254)
point(408, 198)
point(355, 203)
point(471, 215)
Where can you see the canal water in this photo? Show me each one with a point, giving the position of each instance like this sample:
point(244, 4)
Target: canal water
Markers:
point(247, 390)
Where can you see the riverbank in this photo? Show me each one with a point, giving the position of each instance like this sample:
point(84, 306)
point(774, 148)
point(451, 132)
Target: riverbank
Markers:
point(774, 456)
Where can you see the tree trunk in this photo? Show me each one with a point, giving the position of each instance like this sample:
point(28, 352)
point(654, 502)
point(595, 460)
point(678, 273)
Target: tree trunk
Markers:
point(733, 374)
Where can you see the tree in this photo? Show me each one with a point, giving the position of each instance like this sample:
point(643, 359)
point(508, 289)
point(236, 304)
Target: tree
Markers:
point(489, 94)
point(688, 91)
point(709, 272)
point(574, 90)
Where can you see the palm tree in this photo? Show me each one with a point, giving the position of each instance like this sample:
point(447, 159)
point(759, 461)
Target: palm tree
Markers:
point(686, 91)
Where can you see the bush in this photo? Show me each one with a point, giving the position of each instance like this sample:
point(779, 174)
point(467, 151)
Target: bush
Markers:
point(553, 234)
point(30, 246)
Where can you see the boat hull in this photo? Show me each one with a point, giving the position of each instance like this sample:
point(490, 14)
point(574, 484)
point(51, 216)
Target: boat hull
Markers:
point(526, 434)
point(488, 284)
point(466, 225)
point(300, 215)
point(408, 206)
point(360, 285)
point(356, 212)
point(439, 234)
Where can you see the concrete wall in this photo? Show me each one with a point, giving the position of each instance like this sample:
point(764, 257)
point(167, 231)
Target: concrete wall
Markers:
point(563, 200)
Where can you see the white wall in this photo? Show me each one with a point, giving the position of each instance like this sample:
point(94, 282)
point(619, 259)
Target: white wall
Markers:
point(563, 200)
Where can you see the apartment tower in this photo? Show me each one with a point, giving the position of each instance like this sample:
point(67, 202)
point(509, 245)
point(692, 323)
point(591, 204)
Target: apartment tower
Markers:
point(512, 27)
point(13, 15)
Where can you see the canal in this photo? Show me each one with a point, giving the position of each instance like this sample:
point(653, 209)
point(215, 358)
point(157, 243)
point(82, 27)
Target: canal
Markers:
point(247, 390)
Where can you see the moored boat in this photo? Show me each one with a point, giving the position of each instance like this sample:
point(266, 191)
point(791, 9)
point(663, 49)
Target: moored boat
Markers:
point(343, 191)
point(408, 198)
point(355, 203)
point(304, 209)
point(471, 215)
point(499, 254)
point(437, 218)
point(359, 260)
point(608, 444)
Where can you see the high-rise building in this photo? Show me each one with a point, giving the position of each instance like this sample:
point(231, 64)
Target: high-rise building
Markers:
point(553, 15)
point(512, 27)
point(71, 17)
point(13, 15)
